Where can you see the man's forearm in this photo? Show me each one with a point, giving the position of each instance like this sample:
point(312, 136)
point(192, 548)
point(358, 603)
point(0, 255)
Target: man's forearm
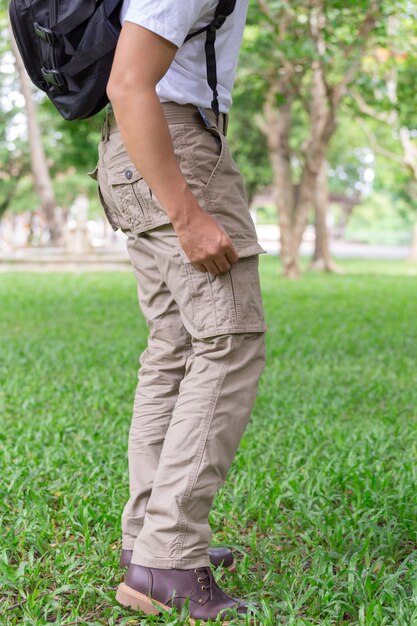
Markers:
point(147, 139)
point(142, 58)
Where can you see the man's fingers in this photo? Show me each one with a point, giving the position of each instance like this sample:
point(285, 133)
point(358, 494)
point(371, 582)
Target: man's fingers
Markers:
point(200, 267)
point(216, 266)
point(212, 267)
point(223, 265)
point(220, 263)
point(232, 256)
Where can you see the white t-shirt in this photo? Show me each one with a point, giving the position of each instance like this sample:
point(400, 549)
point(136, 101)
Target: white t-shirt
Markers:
point(186, 80)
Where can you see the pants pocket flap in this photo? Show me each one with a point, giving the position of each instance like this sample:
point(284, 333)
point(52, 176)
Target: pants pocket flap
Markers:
point(123, 173)
point(248, 248)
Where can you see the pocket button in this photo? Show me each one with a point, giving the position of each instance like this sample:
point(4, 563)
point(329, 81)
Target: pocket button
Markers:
point(128, 174)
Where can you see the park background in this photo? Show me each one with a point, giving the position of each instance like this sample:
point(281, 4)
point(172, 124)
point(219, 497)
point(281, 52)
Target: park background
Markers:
point(320, 506)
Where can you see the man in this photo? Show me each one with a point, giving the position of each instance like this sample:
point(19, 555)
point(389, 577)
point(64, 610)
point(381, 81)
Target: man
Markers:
point(166, 178)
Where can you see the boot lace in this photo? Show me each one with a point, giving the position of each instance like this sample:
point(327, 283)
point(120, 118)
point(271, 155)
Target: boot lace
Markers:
point(205, 579)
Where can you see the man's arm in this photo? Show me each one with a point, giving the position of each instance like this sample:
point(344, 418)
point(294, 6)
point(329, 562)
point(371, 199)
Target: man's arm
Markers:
point(141, 60)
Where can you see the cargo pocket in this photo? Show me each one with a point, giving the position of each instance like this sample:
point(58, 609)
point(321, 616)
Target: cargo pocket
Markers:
point(228, 303)
point(246, 293)
point(131, 194)
point(110, 213)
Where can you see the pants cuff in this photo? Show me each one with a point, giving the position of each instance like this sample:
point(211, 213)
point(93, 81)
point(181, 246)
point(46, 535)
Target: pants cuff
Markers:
point(163, 563)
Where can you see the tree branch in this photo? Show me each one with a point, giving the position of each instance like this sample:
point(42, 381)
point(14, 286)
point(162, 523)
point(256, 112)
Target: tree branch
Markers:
point(390, 117)
point(317, 24)
point(263, 5)
point(275, 18)
point(377, 148)
point(354, 52)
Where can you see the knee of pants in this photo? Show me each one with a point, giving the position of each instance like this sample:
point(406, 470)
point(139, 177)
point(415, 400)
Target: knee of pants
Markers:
point(168, 346)
point(259, 340)
point(251, 352)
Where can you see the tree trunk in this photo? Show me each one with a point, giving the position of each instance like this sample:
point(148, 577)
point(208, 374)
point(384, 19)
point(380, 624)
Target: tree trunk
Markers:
point(40, 169)
point(322, 260)
point(346, 209)
point(277, 129)
point(322, 126)
point(293, 210)
point(410, 158)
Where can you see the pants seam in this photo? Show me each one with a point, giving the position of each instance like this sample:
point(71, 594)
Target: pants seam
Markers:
point(182, 526)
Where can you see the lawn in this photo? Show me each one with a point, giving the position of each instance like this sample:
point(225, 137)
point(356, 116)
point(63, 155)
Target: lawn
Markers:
point(321, 502)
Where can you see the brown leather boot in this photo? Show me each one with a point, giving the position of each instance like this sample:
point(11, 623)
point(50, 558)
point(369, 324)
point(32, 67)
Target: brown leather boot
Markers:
point(147, 588)
point(219, 557)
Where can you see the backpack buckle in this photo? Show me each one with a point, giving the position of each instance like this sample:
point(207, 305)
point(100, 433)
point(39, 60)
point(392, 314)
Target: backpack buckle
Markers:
point(53, 77)
point(45, 33)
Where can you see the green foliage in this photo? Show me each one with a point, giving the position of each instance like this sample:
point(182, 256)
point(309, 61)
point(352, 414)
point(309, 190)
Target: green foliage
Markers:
point(25, 197)
point(266, 215)
point(69, 144)
point(247, 143)
point(381, 219)
point(71, 148)
point(268, 45)
point(340, 31)
point(320, 504)
point(393, 66)
point(281, 37)
point(350, 158)
point(67, 186)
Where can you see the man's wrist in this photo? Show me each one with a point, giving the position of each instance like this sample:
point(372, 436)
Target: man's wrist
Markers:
point(182, 208)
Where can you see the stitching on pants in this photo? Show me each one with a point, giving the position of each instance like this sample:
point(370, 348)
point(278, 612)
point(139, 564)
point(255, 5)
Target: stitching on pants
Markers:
point(232, 300)
point(182, 525)
point(189, 282)
point(216, 325)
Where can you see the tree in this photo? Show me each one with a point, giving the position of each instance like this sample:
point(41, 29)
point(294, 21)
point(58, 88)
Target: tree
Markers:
point(40, 168)
point(387, 98)
point(307, 56)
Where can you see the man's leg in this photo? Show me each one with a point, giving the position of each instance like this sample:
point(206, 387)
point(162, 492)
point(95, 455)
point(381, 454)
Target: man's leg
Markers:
point(209, 419)
point(162, 369)
point(213, 408)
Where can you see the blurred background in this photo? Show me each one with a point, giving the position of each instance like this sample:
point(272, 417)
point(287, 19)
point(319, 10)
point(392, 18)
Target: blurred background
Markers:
point(320, 506)
point(323, 127)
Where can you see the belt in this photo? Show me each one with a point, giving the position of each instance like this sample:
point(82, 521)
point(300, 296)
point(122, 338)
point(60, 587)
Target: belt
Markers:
point(175, 114)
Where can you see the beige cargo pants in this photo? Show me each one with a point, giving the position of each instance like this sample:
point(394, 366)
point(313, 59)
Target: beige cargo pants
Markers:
point(199, 373)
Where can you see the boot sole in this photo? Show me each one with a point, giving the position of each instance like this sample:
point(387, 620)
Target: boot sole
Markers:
point(128, 597)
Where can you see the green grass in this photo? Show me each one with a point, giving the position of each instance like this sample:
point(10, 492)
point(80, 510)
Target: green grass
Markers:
point(321, 502)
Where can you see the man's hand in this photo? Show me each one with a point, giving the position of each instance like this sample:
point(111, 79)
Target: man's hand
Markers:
point(206, 244)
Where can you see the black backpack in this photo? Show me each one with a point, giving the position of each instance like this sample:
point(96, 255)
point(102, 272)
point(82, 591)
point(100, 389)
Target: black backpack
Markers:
point(68, 46)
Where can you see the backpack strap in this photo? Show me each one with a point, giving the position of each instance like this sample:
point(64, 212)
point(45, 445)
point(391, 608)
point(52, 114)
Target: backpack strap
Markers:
point(84, 11)
point(223, 10)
